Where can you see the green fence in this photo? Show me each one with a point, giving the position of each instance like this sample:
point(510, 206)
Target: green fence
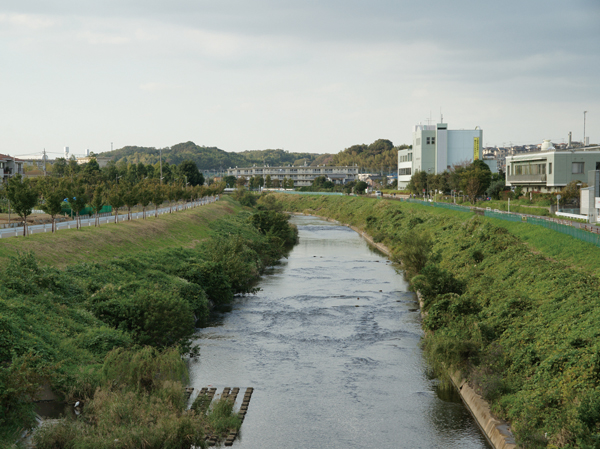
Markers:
point(507, 217)
point(294, 192)
point(87, 210)
point(572, 231)
point(569, 230)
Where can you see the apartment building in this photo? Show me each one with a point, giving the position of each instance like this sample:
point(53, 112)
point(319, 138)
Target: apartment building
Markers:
point(302, 176)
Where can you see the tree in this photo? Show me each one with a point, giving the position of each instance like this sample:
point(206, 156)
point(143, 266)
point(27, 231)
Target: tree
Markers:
point(321, 182)
point(495, 189)
point(53, 198)
point(130, 197)
point(475, 179)
point(145, 196)
point(115, 199)
point(158, 196)
point(98, 201)
point(60, 167)
point(230, 181)
point(268, 182)
point(189, 169)
point(23, 198)
point(360, 187)
point(172, 196)
point(77, 199)
point(92, 166)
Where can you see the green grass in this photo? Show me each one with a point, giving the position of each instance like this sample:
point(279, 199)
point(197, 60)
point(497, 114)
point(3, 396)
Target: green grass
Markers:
point(184, 228)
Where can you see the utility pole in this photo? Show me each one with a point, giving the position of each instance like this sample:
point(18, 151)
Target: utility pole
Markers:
point(584, 113)
point(160, 158)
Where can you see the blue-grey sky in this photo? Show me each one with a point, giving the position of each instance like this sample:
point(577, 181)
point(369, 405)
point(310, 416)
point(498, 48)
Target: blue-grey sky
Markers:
point(301, 75)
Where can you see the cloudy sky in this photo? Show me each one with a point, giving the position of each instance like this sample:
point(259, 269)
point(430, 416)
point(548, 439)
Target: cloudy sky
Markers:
point(302, 75)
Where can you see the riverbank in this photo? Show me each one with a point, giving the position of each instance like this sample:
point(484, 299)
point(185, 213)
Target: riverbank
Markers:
point(81, 328)
point(518, 325)
point(184, 228)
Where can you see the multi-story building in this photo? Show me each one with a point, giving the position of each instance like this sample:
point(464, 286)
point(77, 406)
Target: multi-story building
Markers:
point(302, 176)
point(10, 166)
point(436, 148)
point(550, 169)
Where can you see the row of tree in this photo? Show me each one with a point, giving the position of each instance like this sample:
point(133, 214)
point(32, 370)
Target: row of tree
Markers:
point(473, 180)
point(187, 171)
point(53, 195)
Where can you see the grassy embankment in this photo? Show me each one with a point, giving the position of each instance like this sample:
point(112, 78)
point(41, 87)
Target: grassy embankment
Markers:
point(514, 307)
point(106, 322)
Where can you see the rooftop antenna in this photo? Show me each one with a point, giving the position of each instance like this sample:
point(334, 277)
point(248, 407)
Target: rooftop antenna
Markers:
point(584, 113)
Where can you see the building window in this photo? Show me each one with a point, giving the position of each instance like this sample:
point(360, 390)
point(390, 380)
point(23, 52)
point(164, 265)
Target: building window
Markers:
point(549, 168)
point(410, 156)
point(577, 168)
point(403, 171)
point(428, 140)
point(433, 141)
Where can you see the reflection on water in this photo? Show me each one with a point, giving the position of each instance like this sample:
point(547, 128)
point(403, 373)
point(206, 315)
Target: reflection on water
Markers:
point(331, 346)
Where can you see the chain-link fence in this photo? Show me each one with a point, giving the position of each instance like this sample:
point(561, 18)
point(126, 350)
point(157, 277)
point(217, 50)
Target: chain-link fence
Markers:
point(584, 235)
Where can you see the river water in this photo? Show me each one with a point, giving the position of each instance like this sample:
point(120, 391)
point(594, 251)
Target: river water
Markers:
point(326, 373)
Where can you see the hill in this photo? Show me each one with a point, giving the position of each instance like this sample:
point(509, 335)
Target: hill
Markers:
point(380, 155)
point(376, 156)
point(210, 158)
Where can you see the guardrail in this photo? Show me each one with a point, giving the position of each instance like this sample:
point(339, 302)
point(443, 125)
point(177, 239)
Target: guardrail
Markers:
point(108, 218)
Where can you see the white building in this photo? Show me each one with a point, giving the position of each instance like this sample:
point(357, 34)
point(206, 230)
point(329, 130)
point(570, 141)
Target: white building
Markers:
point(302, 175)
point(436, 148)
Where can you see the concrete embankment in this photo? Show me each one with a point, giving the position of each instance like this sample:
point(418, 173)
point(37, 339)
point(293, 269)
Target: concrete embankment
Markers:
point(497, 432)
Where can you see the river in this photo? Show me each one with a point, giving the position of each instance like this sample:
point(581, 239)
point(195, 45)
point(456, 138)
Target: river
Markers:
point(331, 346)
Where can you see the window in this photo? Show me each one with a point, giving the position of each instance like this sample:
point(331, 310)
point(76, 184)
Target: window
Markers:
point(577, 168)
point(549, 168)
point(403, 171)
point(530, 169)
point(428, 140)
point(433, 141)
point(410, 156)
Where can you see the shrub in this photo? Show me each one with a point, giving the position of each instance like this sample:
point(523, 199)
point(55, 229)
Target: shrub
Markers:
point(414, 251)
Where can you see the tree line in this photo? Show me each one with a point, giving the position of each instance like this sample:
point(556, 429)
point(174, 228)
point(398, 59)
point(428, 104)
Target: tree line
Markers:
point(77, 187)
point(474, 180)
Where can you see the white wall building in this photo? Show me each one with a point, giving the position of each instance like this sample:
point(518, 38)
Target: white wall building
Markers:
point(436, 148)
point(301, 175)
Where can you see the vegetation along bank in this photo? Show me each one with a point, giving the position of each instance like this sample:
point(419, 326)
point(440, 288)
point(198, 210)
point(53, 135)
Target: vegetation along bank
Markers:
point(514, 307)
point(109, 323)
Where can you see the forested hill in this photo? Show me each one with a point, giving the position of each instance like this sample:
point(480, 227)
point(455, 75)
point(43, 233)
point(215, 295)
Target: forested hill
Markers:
point(211, 158)
point(380, 154)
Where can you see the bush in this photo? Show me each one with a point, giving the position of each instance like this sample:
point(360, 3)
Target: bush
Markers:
point(414, 251)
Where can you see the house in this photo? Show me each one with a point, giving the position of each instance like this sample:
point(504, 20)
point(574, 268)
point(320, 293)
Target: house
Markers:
point(9, 167)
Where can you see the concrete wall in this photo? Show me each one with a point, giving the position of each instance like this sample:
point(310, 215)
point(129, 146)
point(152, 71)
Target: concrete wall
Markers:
point(460, 145)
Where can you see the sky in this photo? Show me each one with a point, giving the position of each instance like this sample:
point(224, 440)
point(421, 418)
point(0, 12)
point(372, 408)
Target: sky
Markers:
point(302, 75)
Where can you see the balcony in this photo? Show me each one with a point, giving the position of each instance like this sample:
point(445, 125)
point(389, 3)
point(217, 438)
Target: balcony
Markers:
point(526, 178)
